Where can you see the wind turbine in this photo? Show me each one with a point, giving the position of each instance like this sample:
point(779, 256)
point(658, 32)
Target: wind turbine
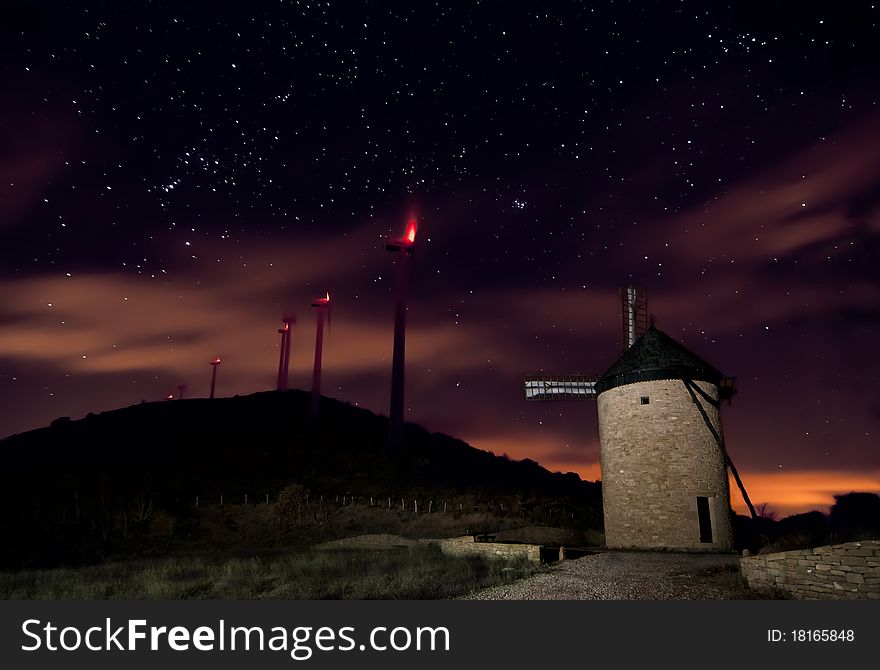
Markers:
point(286, 332)
point(214, 365)
point(403, 247)
point(323, 307)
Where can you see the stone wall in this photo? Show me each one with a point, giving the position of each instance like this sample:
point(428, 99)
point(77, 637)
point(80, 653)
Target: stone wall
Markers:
point(657, 458)
point(465, 546)
point(839, 571)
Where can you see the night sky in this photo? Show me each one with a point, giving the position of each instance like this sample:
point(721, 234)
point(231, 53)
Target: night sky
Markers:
point(173, 180)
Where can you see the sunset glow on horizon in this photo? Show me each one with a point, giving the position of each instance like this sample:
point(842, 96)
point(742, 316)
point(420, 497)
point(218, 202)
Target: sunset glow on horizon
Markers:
point(784, 493)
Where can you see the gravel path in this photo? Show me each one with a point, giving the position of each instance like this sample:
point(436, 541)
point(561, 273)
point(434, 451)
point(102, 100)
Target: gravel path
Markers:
point(630, 575)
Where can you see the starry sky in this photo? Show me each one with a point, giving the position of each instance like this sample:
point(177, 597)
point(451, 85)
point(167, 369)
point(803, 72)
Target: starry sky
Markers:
point(176, 176)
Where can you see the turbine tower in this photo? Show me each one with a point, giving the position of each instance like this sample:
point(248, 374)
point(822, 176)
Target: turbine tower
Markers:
point(214, 365)
point(286, 331)
point(403, 247)
point(323, 307)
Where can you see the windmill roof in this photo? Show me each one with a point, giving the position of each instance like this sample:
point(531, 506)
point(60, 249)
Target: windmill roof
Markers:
point(655, 355)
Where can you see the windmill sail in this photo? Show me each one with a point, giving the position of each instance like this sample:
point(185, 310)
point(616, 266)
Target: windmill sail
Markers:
point(543, 386)
point(634, 314)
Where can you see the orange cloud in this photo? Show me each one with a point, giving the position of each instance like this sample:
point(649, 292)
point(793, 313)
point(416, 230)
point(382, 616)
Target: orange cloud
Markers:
point(110, 324)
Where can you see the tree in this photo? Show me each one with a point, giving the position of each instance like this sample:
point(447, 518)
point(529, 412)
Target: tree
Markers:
point(291, 510)
point(856, 516)
point(763, 510)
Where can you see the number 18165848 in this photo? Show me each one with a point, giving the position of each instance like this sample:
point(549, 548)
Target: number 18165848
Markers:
point(811, 635)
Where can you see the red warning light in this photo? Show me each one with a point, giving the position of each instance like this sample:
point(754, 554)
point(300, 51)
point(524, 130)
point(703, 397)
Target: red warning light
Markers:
point(407, 242)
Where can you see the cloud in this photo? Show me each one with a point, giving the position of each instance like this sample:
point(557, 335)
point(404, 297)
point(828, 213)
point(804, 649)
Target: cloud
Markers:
point(113, 323)
point(800, 201)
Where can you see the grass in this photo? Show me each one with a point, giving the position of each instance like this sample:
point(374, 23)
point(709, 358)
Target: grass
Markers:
point(420, 572)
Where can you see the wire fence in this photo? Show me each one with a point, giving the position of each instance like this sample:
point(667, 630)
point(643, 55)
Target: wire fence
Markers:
point(416, 506)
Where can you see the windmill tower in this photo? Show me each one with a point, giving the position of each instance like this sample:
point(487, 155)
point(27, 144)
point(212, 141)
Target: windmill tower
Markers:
point(662, 453)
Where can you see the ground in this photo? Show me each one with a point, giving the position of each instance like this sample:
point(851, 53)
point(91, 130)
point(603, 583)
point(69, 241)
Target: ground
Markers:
point(629, 575)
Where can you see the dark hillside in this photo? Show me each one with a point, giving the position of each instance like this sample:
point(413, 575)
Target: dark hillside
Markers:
point(89, 480)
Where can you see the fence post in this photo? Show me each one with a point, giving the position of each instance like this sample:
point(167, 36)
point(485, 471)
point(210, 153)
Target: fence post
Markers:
point(444, 505)
point(402, 505)
point(197, 501)
point(221, 501)
point(389, 502)
point(267, 498)
point(245, 498)
point(430, 505)
point(416, 506)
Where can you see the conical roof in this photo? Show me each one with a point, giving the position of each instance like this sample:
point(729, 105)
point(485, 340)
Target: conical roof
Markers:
point(655, 355)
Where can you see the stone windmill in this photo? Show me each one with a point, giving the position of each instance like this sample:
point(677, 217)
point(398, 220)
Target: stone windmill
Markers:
point(662, 452)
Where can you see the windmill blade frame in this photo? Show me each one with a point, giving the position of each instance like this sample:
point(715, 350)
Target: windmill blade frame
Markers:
point(549, 386)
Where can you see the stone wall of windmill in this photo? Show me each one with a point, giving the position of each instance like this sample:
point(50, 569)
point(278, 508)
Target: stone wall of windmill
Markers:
point(658, 458)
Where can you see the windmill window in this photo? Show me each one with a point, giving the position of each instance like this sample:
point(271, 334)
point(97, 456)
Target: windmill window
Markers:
point(645, 400)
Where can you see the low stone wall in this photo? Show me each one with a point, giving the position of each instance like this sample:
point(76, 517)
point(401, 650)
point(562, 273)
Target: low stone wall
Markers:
point(840, 571)
point(465, 546)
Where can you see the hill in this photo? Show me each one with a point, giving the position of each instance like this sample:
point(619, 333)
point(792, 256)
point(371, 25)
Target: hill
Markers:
point(93, 482)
